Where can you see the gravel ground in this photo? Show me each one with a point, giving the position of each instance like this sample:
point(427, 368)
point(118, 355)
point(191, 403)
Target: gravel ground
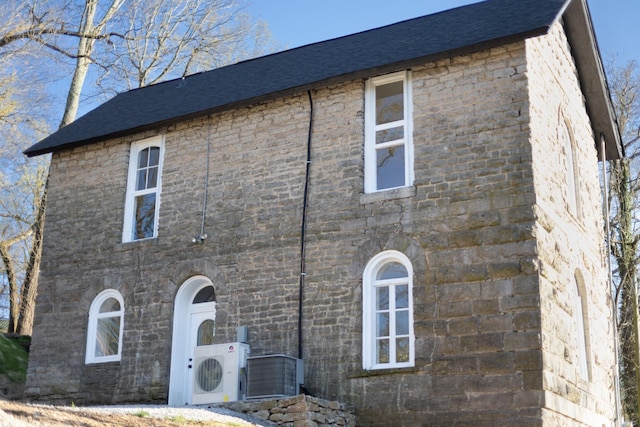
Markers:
point(16, 414)
point(196, 413)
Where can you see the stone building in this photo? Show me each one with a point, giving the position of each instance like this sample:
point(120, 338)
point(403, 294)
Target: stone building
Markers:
point(414, 211)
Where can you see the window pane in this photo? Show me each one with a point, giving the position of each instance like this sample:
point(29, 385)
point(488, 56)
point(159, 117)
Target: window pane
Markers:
point(152, 177)
point(387, 135)
point(389, 102)
point(109, 305)
point(393, 270)
point(402, 350)
point(402, 296)
point(107, 336)
point(382, 325)
point(144, 220)
point(382, 351)
point(206, 294)
point(206, 331)
point(390, 167)
point(154, 156)
point(143, 158)
point(382, 298)
point(141, 179)
point(402, 322)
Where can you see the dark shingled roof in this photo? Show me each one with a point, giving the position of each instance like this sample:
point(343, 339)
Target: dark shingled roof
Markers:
point(360, 55)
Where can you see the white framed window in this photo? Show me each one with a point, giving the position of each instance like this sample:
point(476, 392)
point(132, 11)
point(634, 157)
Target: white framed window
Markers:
point(143, 190)
point(388, 338)
point(104, 333)
point(388, 152)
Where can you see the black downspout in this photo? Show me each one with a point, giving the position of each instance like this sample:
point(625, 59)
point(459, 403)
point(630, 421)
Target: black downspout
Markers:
point(303, 226)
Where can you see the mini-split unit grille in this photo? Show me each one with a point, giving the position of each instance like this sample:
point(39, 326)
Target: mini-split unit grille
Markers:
point(274, 375)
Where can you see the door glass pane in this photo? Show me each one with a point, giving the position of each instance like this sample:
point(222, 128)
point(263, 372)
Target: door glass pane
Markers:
point(144, 221)
point(393, 270)
point(107, 336)
point(109, 305)
point(402, 322)
point(402, 350)
point(382, 351)
point(387, 135)
point(206, 331)
point(382, 298)
point(390, 167)
point(206, 294)
point(382, 325)
point(389, 102)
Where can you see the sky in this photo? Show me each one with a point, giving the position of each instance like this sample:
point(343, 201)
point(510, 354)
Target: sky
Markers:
point(298, 22)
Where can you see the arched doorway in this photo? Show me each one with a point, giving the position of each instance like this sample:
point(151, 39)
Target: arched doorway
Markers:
point(194, 314)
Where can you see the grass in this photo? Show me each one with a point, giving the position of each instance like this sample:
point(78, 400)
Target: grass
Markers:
point(141, 414)
point(13, 360)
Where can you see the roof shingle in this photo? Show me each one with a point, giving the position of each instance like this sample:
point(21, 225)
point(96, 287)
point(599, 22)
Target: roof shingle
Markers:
point(459, 30)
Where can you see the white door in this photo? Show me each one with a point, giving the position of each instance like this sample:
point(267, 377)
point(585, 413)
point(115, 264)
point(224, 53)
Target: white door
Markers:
point(205, 370)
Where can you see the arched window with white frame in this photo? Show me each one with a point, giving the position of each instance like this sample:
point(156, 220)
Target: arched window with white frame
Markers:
point(106, 323)
point(388, 337)
point(573, 201)
point(581, 317)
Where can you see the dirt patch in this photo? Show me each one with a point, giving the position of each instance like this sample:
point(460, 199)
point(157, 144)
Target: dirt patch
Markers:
point(14, 414)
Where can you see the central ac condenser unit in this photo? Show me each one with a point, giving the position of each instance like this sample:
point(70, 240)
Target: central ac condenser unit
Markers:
point(274, 375)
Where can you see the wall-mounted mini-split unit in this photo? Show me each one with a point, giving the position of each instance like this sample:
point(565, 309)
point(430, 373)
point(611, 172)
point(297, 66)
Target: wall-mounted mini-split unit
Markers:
point(274, 375)
point(219, 373)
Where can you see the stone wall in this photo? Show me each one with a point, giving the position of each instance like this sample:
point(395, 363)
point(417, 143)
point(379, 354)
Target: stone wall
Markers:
point(298, 411)
point(570, 242)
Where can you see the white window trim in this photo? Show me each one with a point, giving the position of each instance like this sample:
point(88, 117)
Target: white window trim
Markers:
point(127, 229)
point(370, 163)
point(92, 329)
point(369, 308)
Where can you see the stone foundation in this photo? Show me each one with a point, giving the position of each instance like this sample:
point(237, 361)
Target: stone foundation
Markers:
point(298, 411)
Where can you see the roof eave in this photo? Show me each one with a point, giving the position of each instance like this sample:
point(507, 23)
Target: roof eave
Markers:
point(360, 74)
point(581, 36)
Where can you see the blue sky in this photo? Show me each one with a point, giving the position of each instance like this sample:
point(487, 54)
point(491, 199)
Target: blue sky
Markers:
point(297, 22)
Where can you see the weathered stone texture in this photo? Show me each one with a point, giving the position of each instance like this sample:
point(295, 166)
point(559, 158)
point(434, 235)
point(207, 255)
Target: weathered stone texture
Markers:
point(480, 226)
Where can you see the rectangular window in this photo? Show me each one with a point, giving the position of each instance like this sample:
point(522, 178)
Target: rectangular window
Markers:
point(143, 190)
point(388, 159)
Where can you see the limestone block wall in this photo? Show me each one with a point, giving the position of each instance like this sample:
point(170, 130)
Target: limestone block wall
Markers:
point(570, 241)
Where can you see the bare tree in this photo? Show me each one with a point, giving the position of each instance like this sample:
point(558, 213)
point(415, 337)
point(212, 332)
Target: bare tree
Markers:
point(625, 200)
point(113, 45)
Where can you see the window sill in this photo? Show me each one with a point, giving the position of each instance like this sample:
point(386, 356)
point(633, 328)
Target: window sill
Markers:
point(396, 193)
point(364, 373)
point(119, 247)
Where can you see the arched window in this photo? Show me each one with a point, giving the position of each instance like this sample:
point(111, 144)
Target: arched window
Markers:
point(571, 177)
point(388, 339)
point(143, 190)
point(581, 316)
point(106, 321)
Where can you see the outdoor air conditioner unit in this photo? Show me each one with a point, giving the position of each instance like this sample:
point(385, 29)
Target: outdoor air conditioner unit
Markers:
point(274, 375)
point(218, 373)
